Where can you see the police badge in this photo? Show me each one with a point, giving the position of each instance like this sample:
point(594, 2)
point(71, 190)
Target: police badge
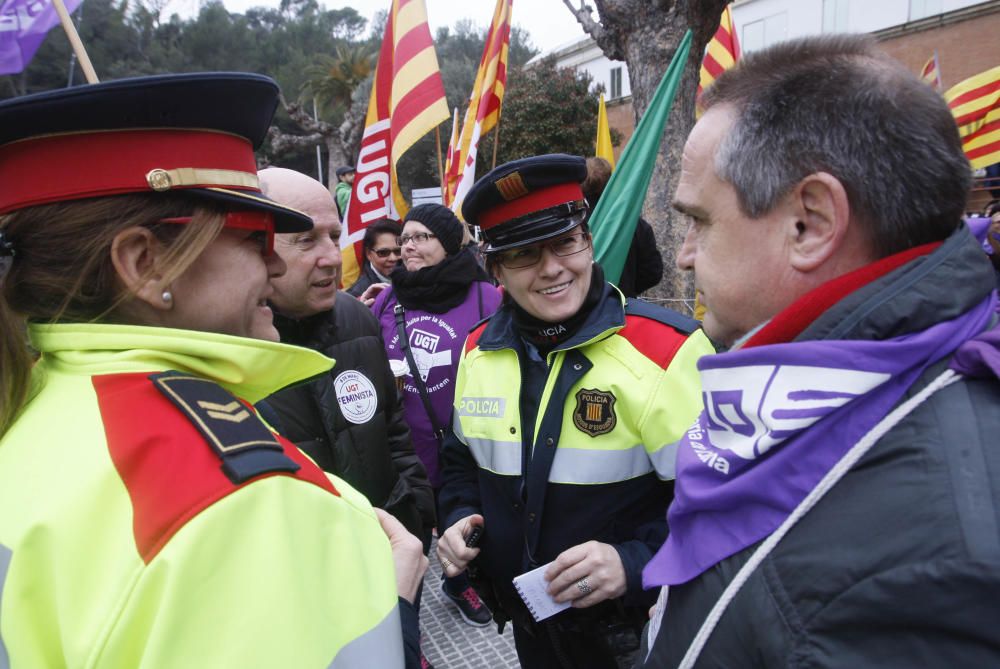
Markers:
point(595, 412)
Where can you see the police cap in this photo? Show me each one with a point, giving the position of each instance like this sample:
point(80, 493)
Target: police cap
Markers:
point(528, 200)
point(194, 133)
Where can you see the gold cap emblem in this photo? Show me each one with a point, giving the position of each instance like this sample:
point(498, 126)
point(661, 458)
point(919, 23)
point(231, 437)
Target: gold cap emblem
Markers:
point(158, 180)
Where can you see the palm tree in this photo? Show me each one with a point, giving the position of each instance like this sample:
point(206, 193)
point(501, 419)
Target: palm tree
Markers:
point(331, 80)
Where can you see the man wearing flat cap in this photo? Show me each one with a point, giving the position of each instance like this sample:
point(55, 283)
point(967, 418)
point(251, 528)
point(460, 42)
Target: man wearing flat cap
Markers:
point(568, 401)
point(342, 192)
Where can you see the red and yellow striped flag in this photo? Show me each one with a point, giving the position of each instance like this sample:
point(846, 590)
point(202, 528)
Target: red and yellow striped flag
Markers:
point(722, 52)
point(407, 101)
point(450, 156)
point(931, 73)
point(483, 113)
point(975, 104)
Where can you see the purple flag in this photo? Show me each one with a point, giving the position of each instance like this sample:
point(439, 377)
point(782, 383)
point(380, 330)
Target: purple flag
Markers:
point(776, 419)
point(23, 26)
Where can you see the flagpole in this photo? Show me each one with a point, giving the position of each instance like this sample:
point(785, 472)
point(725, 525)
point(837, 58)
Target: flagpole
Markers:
point(496, 140)
point(74, 40)
point(437, 143)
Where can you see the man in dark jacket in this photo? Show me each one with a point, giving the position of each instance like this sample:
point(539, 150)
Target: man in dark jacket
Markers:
point(836, 502)
point(350, 421)
point(382, 254)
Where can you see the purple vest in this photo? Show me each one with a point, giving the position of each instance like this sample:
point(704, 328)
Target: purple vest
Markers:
point(436, 342)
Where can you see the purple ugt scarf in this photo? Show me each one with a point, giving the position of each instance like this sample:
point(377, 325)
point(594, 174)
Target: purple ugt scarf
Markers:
point(777, 418)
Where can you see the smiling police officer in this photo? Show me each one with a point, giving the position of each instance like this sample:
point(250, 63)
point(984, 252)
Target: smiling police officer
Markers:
point(568, 401)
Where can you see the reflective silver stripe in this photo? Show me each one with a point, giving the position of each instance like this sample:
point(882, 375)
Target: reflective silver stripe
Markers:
point(381, 646)
point(456, 427)
point(665, 461)
point(499, 457)
point(5, 555)
point(589, 467)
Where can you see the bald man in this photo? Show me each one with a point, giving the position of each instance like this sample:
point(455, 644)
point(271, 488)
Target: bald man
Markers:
point(349, 421)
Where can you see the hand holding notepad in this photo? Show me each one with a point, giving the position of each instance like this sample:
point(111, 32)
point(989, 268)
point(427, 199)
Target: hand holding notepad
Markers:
point(533, 589)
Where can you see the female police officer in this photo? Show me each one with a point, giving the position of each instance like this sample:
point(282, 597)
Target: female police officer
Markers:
point(147, 516)
point(568, 401)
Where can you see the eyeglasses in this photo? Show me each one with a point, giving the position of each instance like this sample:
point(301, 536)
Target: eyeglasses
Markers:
point(530, 255)
point(242, 220)
point(385, 253)
point(417, 238)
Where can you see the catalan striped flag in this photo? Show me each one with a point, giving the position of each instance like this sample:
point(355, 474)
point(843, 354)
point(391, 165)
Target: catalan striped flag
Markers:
point(722, 52)
point(931, 73)
point(975, 103)
point(450, 156)
point(483, 113)
point(407, 102)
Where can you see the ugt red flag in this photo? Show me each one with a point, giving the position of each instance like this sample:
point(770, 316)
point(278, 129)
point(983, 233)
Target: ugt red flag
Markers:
point(407, 101)
point(23, 27)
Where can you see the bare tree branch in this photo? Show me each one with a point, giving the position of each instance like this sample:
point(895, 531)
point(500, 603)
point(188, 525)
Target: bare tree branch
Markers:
point(282, 142)
point(583, 16)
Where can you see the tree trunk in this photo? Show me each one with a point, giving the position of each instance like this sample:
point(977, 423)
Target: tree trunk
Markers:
point(645, 34)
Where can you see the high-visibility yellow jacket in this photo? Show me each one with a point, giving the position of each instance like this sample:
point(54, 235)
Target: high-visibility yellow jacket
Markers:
point(586, 450)
point(147, 522)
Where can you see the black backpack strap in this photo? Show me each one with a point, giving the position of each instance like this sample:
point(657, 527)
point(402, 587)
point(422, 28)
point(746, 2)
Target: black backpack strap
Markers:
point(404, 343)
point(680, 322)
point(238, 437)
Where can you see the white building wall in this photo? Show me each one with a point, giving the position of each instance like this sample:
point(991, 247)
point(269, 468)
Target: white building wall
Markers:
point(584, 54)
point(760, 23)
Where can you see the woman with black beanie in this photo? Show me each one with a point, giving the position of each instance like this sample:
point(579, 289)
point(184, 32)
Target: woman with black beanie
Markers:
point(438, 294)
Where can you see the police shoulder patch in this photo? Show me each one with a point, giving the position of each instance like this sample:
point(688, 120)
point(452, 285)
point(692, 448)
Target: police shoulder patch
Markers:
point(595, 411)
point(238, 437)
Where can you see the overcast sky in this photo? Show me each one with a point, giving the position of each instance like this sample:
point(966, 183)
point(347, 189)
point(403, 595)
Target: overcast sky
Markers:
point(549, 22)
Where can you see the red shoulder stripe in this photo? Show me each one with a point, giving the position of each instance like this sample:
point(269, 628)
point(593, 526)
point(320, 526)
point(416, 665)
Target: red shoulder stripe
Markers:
point(473, 339)
point(170, 472)
point(655, 340)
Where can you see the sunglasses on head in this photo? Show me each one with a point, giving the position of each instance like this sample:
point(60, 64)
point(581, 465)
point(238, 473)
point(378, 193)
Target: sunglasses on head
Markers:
point(385, 253)
point(241, 220)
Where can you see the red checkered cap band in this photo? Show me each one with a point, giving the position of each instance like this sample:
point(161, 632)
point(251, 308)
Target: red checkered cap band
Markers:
point(544, 198)
point(55, 168)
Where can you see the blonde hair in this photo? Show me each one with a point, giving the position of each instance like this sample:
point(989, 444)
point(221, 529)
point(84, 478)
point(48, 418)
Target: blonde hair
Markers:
point(63, 271)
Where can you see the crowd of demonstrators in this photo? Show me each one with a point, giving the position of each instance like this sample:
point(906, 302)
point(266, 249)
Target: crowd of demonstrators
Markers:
point(382, 255)
point(567, 403)
point(342, 191)
point(437, 296)
point(643, 267)
point(149, 517)
point(835, 502)
point(350, 421)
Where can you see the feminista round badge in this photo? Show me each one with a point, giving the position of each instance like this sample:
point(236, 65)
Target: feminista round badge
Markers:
point(356, 394)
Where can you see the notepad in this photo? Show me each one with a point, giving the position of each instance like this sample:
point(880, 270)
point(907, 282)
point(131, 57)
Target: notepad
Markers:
point(532, 588)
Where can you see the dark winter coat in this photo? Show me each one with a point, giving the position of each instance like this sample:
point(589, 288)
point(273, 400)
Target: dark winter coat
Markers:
point(367, 278)
point(897, 566)
point(350, 421)
point(643, 267)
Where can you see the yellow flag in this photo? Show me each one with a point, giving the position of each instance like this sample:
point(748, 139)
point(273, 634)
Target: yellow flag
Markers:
point(603, 148)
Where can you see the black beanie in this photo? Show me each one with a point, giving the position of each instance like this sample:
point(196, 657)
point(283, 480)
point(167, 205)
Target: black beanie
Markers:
point(442, 222)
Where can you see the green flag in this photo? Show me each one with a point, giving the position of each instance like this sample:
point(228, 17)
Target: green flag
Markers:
point(614, 219)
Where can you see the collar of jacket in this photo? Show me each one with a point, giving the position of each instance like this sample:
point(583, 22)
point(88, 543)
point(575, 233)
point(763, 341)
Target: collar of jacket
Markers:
point(607, 318)
point(249, 368)
point(939, 285)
